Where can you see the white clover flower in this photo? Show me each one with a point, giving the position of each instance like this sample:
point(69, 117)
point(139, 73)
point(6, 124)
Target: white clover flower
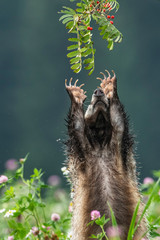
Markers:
point(9, 213)
point(65, 171)
point(69, 235)
point(2, 210)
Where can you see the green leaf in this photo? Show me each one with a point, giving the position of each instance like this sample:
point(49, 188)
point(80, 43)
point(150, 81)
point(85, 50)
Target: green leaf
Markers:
point(73, 39)
point(75, 60)
point(69, 9)
point(76, 66)
point(91, 71)
point(84, 49)
point(91, 65)
point(86, 38)
point(156, 173)
point(86, 53)
point(12, 224)
point(79, 4)
point(64, 16)
point(88, 60)
point(71, 47)
point(93, 236)
point(9, 194)
point(70, 25)
point(102, 221)
point(110, 45)
point(81, 28)
point(73, 54)
point(78, 70)
point(80, 10)
point(66, 20)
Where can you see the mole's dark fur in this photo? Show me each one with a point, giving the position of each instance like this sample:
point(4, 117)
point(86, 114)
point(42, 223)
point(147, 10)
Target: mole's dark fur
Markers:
point(100, 160)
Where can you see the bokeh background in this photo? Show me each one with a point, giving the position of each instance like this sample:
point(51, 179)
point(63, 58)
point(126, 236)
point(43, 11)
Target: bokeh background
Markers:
point(33, 66)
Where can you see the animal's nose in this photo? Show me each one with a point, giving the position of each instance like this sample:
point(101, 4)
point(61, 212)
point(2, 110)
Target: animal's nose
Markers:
point(98, 93)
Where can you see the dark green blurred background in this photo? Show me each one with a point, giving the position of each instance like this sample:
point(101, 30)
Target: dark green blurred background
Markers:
point(33, 66)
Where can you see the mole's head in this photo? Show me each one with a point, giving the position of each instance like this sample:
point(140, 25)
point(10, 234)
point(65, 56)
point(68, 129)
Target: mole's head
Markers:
point(97, 118)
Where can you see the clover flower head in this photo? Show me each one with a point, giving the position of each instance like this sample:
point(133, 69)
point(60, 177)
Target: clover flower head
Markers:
point(113, 231)
point(10, 238)
point(54, 180)
point(11, 164)
point(9, 213)
point(47, 228)
point(69, 235)
point(148, 180)
point(55, 217)
point(95, 214)
point(35, 231)
point(22, 160)
point(3, 178)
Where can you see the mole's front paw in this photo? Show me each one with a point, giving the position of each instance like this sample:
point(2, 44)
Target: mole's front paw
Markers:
point(76, 92)
point(109, 85)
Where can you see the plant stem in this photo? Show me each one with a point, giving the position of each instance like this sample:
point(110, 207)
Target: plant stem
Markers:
point(104, 232)
point(79, 45)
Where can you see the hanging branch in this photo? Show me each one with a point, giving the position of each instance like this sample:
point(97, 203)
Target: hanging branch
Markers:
point(78, 23)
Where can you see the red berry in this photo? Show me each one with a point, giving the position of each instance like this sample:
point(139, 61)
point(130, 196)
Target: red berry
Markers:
point(104, 10)
point(98, 10)
point(105, 5)
point(89, 28)
point(110, 8)
point(112, 17)
point(108, 16)
point(97, 2)
point(90, 5)
point(111, 22)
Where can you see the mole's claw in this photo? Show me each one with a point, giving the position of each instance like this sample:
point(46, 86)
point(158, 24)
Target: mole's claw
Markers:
point(70, 81)
point(109, 75)
point(103, 75)
point(65, 82)
point(75, 83)
point(100, 79)
point(81, 85)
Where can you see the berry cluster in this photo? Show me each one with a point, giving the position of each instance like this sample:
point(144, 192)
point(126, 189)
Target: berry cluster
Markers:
point(89, 28)
point(103, 8)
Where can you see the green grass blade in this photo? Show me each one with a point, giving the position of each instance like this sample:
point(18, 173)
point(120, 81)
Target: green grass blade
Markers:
point(147, 204)
point(114, 222)
point(131, 228)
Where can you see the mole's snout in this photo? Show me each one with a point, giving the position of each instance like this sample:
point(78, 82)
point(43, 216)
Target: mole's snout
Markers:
point(98, 93)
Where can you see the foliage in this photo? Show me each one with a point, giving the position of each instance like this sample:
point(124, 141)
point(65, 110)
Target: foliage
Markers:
point(78, 22)
point(30, 209)
point(25, 214)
